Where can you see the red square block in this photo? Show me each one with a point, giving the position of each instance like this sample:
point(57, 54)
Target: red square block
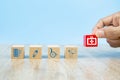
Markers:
point(90, 41)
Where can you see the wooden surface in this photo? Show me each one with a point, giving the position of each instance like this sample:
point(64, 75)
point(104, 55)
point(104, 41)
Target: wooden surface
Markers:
point(102, 63)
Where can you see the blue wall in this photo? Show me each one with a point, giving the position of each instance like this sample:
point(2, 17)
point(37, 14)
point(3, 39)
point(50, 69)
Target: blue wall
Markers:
point(51, 21)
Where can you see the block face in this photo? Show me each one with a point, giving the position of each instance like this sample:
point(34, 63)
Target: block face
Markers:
point(17, 52)
point(90, 41)
point(53, 52)
point(71, 52)
point(35, 52)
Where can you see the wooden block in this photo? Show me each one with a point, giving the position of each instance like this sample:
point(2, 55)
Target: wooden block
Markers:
point(71, 52)
point(35, 51)
point(53, 52)
point(17, 52)
point(90, 41)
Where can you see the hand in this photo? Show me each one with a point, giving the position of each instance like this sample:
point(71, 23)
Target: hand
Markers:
point(109, 28)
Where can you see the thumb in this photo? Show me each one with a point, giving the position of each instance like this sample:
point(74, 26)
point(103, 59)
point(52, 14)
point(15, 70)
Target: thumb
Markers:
point(109, 32)
point(100, 33)
point(112, 33)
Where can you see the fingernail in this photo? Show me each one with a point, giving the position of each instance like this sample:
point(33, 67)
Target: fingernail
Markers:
point(100, 34)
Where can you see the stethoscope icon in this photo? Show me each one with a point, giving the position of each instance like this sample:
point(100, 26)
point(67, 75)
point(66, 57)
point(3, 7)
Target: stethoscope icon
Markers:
point(71, 52)
point(52, 53)
point(35, 53)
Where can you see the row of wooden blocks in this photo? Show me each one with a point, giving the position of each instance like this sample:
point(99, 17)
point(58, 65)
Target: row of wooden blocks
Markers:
point(35, 52)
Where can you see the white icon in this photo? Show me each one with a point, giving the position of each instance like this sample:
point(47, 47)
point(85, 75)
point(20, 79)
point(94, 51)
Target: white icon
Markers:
point(91, 41)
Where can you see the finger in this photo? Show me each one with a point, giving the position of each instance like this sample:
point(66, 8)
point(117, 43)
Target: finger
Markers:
point(114, 43)
point(100, 33)
point(116, 20)
point(94, 30)
point(107, 21)
point(112, 33)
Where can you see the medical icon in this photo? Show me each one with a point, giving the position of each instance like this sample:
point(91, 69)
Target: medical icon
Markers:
point(71, 51)
point(52, 53)
point(35, 53)
point(90, 41)
point(16, 52)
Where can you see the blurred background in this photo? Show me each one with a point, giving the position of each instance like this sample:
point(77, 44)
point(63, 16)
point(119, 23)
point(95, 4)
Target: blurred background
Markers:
point(51, 21)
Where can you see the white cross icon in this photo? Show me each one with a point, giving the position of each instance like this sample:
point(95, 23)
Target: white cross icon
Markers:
point(92, 41)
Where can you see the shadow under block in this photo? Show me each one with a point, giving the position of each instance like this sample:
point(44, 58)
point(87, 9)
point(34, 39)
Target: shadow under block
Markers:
point(35, 52)
point(53, 52)
point(71, 52)
point(17, 52)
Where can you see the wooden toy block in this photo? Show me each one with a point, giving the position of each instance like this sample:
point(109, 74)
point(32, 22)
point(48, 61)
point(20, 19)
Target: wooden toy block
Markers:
point(71, 52)
point(90, 41)
point(53, 52)
point(35, 51)
point(17, 52)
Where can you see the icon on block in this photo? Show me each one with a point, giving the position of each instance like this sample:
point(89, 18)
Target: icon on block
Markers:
point(71, 52)
point(90, 41)
point(53, 52)
point(17, 52)
point(35, 51)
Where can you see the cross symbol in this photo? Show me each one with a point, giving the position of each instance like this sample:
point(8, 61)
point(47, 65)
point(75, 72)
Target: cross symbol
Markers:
point(91, 41)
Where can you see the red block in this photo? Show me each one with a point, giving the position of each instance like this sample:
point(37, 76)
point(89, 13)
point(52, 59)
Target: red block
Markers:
point(90, 41)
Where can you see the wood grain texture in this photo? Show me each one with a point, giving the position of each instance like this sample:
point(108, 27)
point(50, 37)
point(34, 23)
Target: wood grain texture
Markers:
point(45, 69)
point(100, 63)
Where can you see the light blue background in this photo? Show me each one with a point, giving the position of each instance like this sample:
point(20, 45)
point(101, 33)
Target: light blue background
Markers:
point(51, 21)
